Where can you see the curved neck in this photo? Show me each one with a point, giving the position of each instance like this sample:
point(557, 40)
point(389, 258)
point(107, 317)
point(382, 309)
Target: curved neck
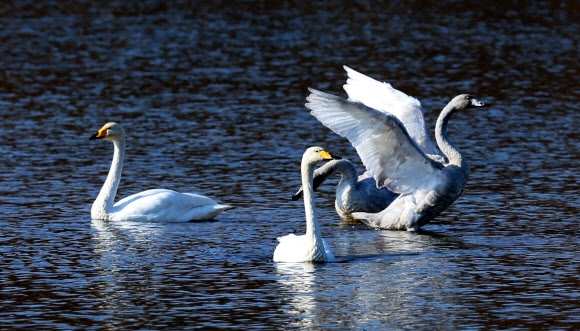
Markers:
point(312, 226)
point(106, 198)
point(348, 172)
point(452, 154)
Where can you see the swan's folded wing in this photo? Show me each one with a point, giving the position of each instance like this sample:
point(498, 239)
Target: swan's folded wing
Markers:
point(384, 146)
point(384, 97)
point(161, 205)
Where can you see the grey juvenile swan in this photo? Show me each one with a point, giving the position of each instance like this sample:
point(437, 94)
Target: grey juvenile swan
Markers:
point(354, 193)
point(387, 128)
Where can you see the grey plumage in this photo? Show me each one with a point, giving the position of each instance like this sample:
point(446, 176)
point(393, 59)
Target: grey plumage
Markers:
point(353, 193)
point(405, 162)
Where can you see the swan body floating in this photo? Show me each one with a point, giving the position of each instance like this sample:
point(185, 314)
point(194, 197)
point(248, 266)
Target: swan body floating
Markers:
point(310, 247)
point(387, 128)
point(157, 205)
point(354, 193)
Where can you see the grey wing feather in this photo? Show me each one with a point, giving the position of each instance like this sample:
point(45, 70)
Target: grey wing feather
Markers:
point(383, 144)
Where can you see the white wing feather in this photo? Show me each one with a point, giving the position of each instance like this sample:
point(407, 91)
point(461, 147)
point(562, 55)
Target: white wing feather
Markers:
point(385, 98)
point(381, 141)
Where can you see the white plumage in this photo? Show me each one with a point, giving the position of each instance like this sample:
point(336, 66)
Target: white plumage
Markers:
point(156, 205)
point(310, 247)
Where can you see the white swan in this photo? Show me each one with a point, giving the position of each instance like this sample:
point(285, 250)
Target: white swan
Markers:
point(354, 193)
point(387, 128)
point(157, 205)
point(310, 247)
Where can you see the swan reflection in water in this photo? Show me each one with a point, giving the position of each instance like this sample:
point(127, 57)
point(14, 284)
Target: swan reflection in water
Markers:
point(386, 276)
point(124, 253)
point(298, 280)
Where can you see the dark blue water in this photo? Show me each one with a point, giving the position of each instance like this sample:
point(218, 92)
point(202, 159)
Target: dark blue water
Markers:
point(212, 100)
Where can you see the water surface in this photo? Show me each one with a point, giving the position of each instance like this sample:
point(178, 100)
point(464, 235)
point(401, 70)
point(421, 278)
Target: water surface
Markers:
point(212, 100)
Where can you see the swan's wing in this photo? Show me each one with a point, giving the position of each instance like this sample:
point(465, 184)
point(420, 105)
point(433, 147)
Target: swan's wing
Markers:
point(383, 144)
point(159, 199)
point(161, 205)
point(384, 97)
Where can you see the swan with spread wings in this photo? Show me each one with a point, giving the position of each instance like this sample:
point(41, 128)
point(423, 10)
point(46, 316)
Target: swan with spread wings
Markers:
point(387, 128)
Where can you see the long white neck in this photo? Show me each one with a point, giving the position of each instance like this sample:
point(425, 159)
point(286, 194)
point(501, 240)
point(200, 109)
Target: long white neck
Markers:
point(312, 226)
point(106, 198)
point(453, 155)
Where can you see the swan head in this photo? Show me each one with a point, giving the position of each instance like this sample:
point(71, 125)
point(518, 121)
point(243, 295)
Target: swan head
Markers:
point(110, 131)
point(465, 101)
point(318, 154)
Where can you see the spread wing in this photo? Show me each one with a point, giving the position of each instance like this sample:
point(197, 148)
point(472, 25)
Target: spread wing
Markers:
point(385, 98)
point(383, 144)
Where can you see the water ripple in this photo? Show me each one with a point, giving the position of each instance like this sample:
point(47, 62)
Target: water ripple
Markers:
point(211, 97)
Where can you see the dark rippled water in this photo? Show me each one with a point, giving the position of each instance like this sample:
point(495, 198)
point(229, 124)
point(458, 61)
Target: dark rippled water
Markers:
point(211, 98)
